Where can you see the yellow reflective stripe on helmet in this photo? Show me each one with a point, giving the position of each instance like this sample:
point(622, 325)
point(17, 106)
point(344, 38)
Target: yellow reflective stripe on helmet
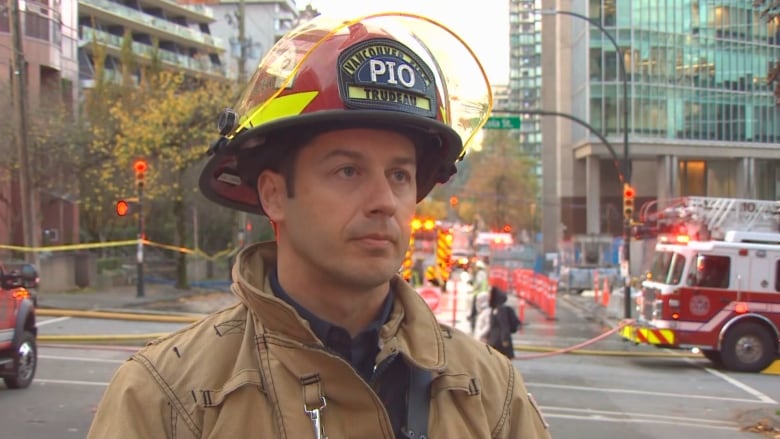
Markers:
point(282, 106)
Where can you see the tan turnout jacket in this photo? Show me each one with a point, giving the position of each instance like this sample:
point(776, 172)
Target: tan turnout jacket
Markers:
point(251, 369)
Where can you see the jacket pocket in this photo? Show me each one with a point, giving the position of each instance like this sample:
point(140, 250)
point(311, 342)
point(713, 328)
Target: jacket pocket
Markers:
point(457, 408)
point(241, 406)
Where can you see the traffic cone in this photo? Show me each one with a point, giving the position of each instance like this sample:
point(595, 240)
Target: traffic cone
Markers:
point(605, 294)
point(521, 309)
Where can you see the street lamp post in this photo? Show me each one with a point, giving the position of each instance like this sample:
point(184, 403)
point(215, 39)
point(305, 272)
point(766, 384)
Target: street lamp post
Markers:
point(626, 163)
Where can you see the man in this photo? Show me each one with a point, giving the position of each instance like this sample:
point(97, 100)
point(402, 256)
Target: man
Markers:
point(343, 129)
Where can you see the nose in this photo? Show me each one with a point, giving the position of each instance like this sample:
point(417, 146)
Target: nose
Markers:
point(380, 197)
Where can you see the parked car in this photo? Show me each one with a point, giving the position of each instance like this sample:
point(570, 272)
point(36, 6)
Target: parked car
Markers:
point(18, 333)
point(30, 278)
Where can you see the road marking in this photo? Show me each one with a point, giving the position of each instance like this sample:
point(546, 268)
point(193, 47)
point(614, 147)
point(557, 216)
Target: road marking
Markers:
point(741, 385)
point(635, 418)
point(640, 415)
point(46, 322)
point(84, 359)
point(70, 382)
point(641, 392)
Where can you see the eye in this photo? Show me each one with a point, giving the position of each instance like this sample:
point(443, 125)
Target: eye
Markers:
point(348, 171)
point(401, 176)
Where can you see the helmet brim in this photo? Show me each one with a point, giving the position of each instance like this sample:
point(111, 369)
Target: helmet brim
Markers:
point(221, 181)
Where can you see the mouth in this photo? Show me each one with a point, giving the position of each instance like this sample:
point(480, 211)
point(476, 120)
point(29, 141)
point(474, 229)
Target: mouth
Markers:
point(377, 238)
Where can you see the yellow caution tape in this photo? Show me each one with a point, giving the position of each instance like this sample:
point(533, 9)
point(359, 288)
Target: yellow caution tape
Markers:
point(57, 248)
point(94, 245)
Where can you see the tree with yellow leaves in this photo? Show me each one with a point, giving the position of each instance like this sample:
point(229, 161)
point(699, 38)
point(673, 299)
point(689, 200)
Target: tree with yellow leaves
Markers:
point(171, 128)
point(164, 117)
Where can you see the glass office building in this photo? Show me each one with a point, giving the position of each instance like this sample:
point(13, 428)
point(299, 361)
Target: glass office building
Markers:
point(525, 75)
point(702, 119)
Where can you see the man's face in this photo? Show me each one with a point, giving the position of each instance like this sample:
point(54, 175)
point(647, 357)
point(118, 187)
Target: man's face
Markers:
point(349, 220)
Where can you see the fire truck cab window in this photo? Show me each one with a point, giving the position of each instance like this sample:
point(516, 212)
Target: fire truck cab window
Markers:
point(667, 268)
point(712, 271)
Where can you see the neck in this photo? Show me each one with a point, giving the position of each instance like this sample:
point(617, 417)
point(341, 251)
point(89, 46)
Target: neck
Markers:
point(350, 308)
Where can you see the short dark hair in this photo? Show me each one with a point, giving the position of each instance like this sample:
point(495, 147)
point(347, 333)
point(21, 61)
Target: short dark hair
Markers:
point(278, 153)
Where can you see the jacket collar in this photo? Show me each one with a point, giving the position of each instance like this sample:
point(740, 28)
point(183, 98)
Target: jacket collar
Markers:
point(412, 329)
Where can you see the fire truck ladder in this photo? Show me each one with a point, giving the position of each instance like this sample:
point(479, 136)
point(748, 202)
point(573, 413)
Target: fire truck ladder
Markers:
point(719, 215)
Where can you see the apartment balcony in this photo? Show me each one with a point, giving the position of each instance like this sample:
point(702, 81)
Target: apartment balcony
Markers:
point(141, 22)
point(145, 53)
point(192, 12)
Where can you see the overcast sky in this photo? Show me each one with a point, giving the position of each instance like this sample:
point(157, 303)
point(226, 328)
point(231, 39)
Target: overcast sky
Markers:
point(484, 28)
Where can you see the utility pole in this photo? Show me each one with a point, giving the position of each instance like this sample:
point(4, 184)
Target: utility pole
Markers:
point(19, 82)
point(140, 166)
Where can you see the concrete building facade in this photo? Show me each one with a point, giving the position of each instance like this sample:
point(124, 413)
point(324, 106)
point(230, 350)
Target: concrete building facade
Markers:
point(265, 22)
point(50, 40)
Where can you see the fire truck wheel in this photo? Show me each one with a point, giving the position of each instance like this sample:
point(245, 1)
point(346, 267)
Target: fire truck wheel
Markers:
point(748, 347)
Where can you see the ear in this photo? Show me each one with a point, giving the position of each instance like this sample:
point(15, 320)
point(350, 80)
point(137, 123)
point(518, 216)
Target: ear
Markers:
point(272, 192)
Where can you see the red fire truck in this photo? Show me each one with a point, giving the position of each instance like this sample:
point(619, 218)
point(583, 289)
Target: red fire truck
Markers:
point(429, 253)
point(714, 285)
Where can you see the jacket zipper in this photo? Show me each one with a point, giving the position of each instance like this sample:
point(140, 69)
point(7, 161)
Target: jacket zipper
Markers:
point(380, 368)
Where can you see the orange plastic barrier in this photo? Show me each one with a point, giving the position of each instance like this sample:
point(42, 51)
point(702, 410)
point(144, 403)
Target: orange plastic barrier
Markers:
point(536, 289)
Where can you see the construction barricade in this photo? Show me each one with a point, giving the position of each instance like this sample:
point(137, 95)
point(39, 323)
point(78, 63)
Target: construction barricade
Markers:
point(535, 289)
point(498, 276)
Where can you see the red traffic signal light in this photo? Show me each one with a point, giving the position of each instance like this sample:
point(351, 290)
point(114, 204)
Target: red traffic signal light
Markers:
point(628, 201)
point(140, 169)
point(139, 166)
point(628, 191)
point(453, 201)
point(122, 208)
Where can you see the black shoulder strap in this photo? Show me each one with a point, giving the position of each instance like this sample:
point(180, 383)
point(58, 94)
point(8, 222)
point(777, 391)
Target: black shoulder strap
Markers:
point(418, 407)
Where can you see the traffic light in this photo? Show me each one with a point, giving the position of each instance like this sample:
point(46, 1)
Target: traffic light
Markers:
point(140, 170)
point(122, 208)
point(628, 201)
point(454, 201)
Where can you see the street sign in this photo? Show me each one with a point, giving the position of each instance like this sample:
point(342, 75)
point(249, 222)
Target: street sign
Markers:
point(502, 123)
point(432, 296)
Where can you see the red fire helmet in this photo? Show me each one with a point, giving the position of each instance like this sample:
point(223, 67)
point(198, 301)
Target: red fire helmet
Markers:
point(392, 71)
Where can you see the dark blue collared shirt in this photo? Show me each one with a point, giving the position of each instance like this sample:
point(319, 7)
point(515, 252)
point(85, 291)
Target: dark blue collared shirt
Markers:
point(360, 351)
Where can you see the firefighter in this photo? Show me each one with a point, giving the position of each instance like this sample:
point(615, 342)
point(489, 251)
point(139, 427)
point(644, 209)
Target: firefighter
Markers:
point(432, 276)
point(345, 126)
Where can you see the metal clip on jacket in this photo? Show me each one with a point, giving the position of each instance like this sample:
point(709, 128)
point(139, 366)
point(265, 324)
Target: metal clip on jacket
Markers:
point(316, 419)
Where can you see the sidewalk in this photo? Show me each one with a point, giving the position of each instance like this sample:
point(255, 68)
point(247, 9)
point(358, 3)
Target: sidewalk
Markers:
point(157, 297)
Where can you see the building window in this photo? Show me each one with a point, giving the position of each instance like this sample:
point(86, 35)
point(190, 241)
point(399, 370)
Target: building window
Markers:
point(721, 178)
point(767, 179)
point(36, 26)
point(692, 177)
point(5, 21)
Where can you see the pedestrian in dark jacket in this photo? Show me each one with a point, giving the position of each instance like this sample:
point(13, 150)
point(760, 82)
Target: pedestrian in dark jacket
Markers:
point(503, 323)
